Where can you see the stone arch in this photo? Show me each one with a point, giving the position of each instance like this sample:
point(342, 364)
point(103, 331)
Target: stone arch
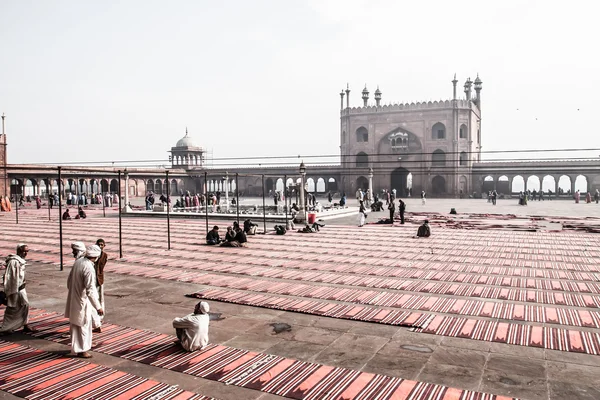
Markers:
point(362, 183)
point(362, 160)
point(114, 186)
point(438, 131)
point(268, 185)
point(488, 184)
point(564, 184)
point(463, 185)
point(150, 185)
point(503, 185)
point(321, 185)
point(548, 183)
point(581, 183)
point(517, 184)
point(438, 185)
point(462, 132)
point(158, 186)
point(279, 185)
point(174, 189)
point(289, 182)
point(362, 135)
point(401, 180)
point(438, 158)
point(310, 183)
point(332, 184)
point(533, 183)
point(462, 158)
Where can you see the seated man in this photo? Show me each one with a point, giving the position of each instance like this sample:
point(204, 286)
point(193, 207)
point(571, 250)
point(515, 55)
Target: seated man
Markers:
point(81, 213)
point(66, 215)
point(424, 230)
point(212, 237)
point(249, 227)
point(235, 238)
point(192, 330)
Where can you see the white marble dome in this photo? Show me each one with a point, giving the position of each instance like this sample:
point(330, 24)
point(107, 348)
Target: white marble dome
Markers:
point(185, 141)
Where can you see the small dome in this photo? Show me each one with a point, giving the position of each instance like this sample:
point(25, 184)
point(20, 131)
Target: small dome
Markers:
point(185, 141)
point(477, 80)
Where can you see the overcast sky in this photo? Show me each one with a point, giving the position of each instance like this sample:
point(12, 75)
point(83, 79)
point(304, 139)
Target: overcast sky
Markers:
point(121, 80)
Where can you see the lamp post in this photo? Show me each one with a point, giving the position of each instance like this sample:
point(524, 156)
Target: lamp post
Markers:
point(302, 204)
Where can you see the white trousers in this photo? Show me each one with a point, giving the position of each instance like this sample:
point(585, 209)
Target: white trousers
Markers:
point(81, 337)
point(97, 319)
point(423, 201)
point(361, 219)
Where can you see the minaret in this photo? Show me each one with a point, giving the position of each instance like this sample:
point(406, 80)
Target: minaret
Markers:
point(365, 95)
point(468, 88)
point(454, 82)
point(342, 100)
point(347, 95)
point(377, 96)
point(478, 83)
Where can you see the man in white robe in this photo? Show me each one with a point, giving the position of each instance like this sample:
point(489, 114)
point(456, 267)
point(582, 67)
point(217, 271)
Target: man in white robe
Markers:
point(17, 308)
point(81, 300)
point(192, 330)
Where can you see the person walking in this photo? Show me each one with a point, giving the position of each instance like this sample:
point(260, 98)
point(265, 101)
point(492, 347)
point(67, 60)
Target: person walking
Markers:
point(16, 314)
point(82, 297)
point(423, 197)
point(99, 269)
point(362, 213)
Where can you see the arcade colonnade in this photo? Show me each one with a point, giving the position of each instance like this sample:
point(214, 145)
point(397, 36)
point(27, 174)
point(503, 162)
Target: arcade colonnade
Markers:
point(557, 183)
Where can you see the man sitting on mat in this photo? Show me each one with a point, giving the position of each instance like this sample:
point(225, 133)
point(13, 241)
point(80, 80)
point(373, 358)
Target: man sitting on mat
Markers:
point(192, 330)
point(213, 237)
point(424, 230)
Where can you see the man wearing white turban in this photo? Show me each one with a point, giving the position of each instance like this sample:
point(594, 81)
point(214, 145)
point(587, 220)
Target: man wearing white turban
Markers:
point(78, 249)
point(192, 330)
point(82, 299)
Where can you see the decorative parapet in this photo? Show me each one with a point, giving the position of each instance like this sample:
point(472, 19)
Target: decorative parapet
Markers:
point(426, 105)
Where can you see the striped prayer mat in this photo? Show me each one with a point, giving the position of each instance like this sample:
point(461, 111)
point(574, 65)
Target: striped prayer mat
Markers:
point(36, 374)
point(570, 340)
point(259, 371)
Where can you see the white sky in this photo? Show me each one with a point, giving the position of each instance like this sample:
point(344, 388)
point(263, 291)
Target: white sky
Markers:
point(120, 80)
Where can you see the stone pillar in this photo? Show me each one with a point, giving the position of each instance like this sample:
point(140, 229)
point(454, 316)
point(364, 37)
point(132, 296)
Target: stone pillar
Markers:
point(371, 182)
point(302, 215)
point(556, 186)
point(126, 207)
point(227, 191)
point(572, 185)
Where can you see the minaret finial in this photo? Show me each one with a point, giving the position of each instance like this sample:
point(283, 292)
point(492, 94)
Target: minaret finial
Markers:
point(186, 132)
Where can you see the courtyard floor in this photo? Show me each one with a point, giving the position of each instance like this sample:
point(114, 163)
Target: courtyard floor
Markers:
point(349, 312)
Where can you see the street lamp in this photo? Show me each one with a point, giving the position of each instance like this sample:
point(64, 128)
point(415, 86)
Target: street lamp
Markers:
point(302, 206)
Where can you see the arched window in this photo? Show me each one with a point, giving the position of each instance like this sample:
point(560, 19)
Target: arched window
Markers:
point(438, 131)
point(463, 132)
point(462, 160)
point(438, 158)
point(362, 160)
point(344, 137)
point(362, 134)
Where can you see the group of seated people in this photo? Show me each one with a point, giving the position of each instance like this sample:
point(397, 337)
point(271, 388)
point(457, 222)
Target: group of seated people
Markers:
point(234, 237)
point(80, 214)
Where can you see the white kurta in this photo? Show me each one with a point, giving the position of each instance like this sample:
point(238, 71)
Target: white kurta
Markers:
point(17, 308)
point(192, 331)
point(82, 298)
